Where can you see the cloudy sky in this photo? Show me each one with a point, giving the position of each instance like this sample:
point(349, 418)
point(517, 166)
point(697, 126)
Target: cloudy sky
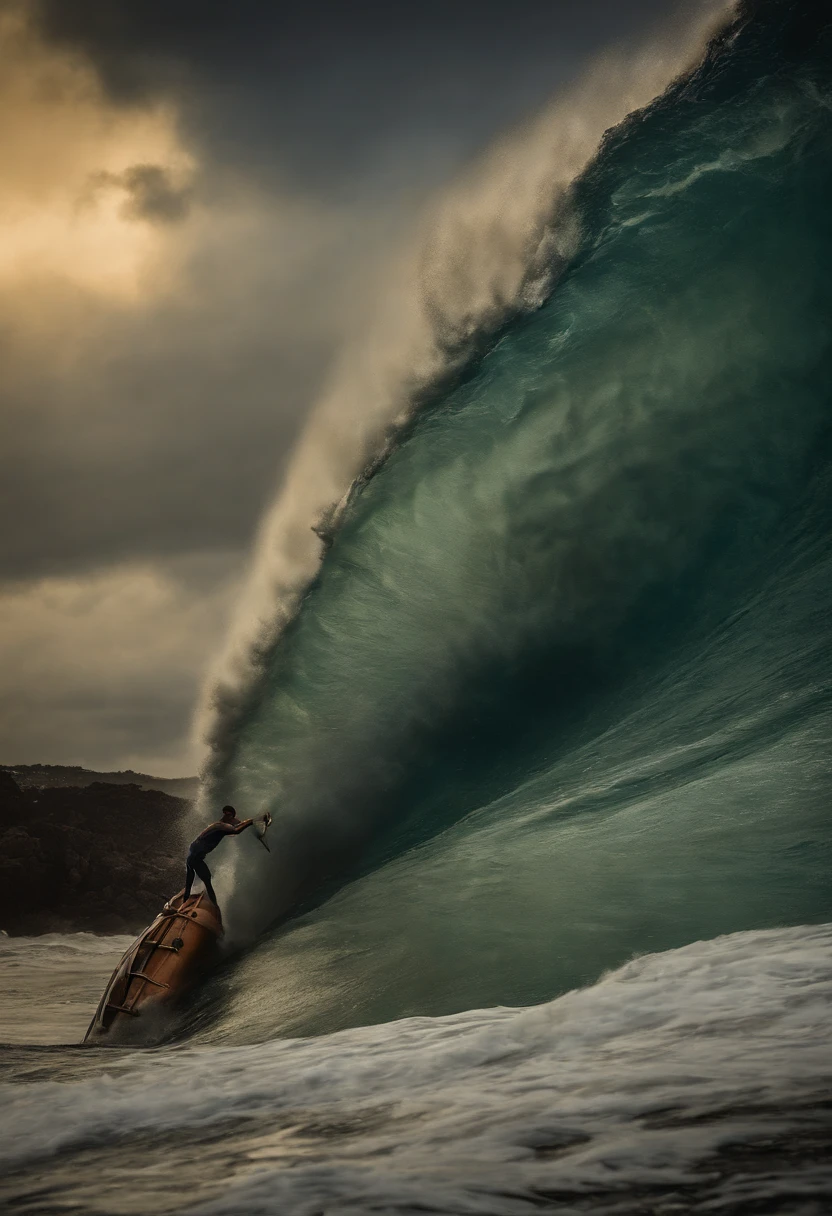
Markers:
point(199, 203)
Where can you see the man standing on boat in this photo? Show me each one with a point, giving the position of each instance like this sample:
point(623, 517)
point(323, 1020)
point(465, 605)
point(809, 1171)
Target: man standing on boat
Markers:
point(205, 843)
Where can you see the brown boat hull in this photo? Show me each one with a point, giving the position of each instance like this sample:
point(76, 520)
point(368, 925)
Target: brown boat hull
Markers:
point(163, 963)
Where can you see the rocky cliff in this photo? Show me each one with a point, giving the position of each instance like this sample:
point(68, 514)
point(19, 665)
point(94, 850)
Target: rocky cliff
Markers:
point(46, 776)
point(102, 858)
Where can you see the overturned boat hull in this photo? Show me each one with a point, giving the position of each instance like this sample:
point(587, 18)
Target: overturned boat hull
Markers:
point(163, 963)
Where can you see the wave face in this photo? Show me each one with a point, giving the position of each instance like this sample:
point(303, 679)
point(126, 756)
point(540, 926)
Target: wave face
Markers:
point(560, 693)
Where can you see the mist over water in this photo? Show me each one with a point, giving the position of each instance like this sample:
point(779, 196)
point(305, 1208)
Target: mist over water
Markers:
point(560, 691)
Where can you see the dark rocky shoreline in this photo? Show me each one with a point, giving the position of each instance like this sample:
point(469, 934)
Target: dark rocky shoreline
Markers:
point(100, 857)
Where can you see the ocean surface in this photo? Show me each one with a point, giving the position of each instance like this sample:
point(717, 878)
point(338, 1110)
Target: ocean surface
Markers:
point(546, 920)
point(696, 1080)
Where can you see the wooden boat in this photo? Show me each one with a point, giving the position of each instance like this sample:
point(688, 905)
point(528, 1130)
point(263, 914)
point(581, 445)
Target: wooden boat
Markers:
point(163, 963)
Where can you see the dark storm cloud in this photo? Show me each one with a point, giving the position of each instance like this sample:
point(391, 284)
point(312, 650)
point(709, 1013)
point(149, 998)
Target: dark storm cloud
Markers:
point(328, 92)
point(187, 465)
point(151, 193)
point(170, 433)
point(172, 424)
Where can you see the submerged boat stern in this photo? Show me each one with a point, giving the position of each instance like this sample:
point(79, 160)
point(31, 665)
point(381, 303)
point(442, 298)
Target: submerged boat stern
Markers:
point(163, 963)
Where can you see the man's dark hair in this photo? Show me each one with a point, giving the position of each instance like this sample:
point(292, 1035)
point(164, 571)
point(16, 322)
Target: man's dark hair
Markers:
point(228, 810)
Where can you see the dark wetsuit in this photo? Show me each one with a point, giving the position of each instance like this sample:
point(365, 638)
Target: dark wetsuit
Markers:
point(205, 843)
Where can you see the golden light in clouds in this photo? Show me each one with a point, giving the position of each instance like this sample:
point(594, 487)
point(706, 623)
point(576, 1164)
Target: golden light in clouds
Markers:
point(82, 657)
point(66, 150)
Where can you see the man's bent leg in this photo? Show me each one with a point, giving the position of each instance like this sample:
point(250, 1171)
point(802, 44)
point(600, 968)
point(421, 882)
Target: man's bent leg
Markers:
point(205, 874)
point(190, 875)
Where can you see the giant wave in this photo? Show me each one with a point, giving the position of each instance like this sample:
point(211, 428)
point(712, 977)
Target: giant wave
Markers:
point(559, 692)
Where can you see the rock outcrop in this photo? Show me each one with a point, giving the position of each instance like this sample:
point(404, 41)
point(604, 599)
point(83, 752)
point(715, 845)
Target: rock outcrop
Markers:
point(101, 858)
point(47, 776)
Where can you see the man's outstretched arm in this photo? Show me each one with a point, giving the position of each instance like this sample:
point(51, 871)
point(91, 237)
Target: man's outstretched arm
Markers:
point(240, 827)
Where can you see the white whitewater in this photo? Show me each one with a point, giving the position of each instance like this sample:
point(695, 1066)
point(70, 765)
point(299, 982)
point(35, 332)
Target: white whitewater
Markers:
point(644, 1083)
